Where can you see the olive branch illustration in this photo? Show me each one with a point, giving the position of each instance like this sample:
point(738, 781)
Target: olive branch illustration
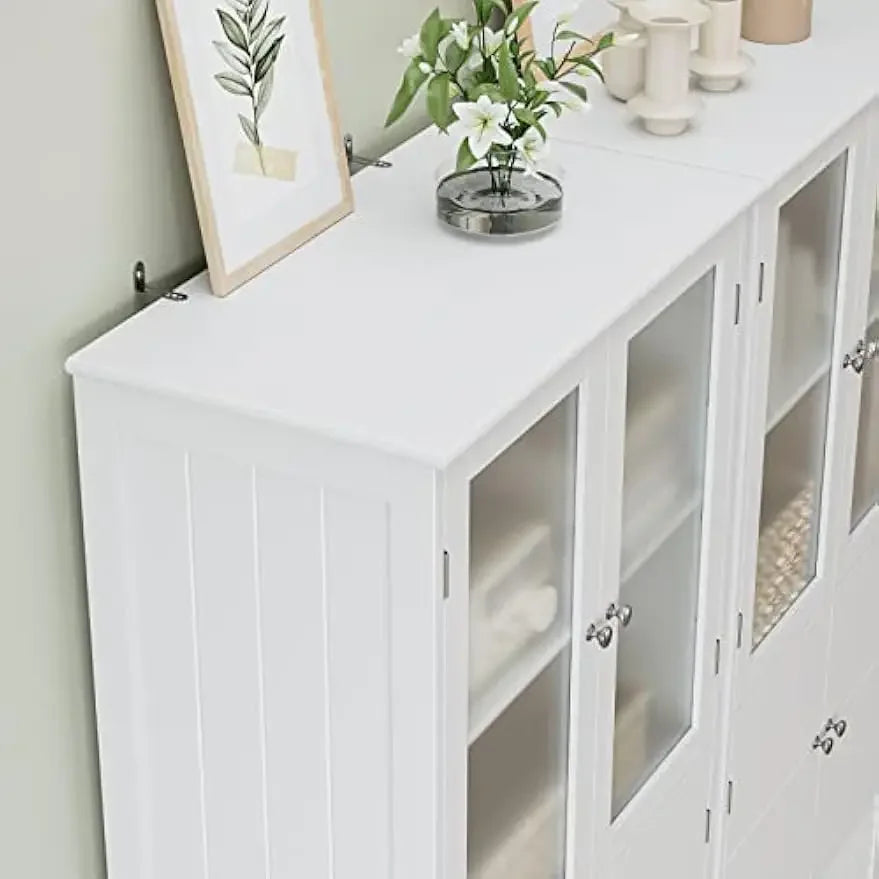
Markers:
point(254, 43)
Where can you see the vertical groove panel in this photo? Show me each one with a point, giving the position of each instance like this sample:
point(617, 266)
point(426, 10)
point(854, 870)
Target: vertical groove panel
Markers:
point(291, 586)
point(229, 666)
point(156, 499)
point(356, 540)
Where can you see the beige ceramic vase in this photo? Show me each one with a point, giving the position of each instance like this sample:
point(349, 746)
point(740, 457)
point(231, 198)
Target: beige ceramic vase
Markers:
point(776, 21)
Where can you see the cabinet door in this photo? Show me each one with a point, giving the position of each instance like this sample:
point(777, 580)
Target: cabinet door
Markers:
point(849, 780)
point(794, 458)
point(508, 654)
point(670, 423)
point(854, 860)
point(862, 376)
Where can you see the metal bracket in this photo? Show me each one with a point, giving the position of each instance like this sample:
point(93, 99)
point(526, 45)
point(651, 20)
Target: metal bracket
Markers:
point(147, 293)
point(355, 162)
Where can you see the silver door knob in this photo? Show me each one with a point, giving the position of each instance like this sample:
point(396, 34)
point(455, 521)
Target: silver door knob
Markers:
point(622, 612)
point(603, 635)
point(839, 727)
point(823, 744)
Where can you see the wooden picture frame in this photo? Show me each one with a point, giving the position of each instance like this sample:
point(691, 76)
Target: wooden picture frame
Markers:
point(265, 153)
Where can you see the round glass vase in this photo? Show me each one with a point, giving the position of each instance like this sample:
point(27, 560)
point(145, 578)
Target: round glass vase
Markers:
point(499, 198)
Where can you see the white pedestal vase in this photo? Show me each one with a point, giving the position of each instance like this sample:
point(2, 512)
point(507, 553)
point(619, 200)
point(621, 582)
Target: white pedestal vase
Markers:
point(667, 106)
point(623, 63)
point(719, 63)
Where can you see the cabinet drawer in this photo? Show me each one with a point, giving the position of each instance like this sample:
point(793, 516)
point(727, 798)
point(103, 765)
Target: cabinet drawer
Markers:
point(849, 778)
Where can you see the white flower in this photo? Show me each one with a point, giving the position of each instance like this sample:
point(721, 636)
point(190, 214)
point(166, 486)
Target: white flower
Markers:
point(461, 34)
point(410, 47)
point(482, 120)
point(532, 148)
point(493, 41)
point(566, 16)
point(558, 94)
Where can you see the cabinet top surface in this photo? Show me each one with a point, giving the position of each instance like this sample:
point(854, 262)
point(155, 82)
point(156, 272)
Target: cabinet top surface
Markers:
point(390, 332)
point(795, 97)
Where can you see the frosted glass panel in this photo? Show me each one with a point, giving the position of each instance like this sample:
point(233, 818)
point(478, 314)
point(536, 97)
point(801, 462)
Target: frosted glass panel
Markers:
point(866, 485)
point(516, 791)
point(803, 322)
point(521, 561)
point(669, 372)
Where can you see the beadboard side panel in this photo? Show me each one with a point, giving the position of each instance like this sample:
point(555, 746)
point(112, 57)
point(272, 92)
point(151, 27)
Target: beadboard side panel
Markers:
point(265, 612)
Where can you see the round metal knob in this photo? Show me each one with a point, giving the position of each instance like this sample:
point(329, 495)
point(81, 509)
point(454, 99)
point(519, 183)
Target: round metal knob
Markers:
point(840, 727)
point(603, 635)
point(622, 612)
point(825, 745)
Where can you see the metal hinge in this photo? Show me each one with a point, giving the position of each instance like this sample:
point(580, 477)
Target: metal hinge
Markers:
point(708, 825)
point(761, 282)
point(445, 574)
point(738, 304)
point(739, 630)
point(729, 792)
point(717, 657)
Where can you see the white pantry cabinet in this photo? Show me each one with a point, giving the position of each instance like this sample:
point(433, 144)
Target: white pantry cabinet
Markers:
point(423, 556)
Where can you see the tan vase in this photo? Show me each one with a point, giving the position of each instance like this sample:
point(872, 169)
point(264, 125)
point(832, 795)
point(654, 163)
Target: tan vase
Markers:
point(776, 21)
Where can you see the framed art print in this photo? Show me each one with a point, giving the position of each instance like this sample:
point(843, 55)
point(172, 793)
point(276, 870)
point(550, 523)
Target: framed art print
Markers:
point(268, 167)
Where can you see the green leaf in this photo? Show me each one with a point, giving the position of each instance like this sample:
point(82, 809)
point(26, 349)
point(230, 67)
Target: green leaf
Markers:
point(483, 10)
point(485, 88)
point(577, 90)
point(572, 35)
point(455, 57)
point(605, 42)
point(249, 129)
point(233, 30)
point(466, 159)
point(506, 73)
point(517, 17)
point(264, 64)
point(265, 94)
point(228, 54)
point(233, 83)
point(431, 34)
point(503, 5)
point(547, 65)
point(413, 79)
point(588, 62)
point(269, 31)
point(439, 99)
point(527, 117)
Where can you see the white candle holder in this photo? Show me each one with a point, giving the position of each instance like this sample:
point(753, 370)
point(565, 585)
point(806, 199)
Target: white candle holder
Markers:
point(667, 106)
point(719, 63)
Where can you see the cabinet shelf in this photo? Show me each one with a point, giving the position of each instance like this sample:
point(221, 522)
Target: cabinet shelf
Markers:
point(662, 528)
point(786, 401)
point(488, 706)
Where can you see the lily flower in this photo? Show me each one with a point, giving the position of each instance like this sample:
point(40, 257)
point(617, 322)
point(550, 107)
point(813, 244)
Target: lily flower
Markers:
point(461, 34)
point(482, 120)
point(532, 148)
point(492, 40)
point(556, 93)
point(410, 47)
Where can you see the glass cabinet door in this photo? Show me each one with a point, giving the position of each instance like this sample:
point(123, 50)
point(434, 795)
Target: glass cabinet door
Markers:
point(669, 369)
point(521, 571)
point(866, 485)
point(803, 323)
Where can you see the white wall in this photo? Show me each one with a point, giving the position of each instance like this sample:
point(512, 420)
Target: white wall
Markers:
point(92, 177)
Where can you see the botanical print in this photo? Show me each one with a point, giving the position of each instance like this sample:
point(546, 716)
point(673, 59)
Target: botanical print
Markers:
point(251, 54)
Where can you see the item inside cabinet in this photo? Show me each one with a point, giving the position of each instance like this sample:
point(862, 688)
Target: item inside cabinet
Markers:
point(782, 562)
point(512, 600)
